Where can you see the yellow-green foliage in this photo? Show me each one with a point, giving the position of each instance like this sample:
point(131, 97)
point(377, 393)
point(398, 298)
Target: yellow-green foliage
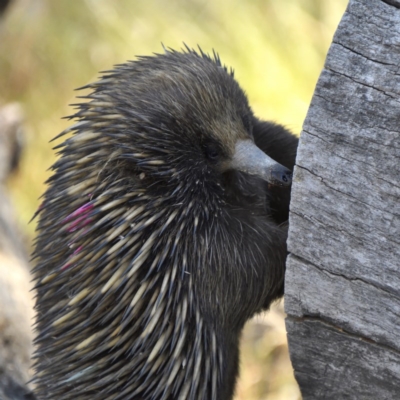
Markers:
point(276, 47)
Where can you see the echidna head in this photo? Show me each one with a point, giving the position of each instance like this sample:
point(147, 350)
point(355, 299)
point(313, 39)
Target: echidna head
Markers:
point(146, 270)
point(182, 114)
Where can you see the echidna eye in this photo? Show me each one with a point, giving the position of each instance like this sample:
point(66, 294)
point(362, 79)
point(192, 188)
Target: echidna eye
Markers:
point(212, 152)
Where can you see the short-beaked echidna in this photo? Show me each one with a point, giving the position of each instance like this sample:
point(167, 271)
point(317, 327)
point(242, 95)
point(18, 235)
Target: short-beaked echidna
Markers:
point(159, 235)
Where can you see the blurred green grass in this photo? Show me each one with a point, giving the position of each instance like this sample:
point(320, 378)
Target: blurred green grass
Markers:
point(276, 47)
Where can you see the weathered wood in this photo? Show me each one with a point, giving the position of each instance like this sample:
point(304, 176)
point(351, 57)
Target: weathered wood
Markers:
point(342, 290)
point(366, 370)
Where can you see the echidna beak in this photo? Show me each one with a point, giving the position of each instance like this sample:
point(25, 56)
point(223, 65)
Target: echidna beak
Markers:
point(250, 159)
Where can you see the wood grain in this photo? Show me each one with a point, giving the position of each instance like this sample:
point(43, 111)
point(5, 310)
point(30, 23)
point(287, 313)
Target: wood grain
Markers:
point(342, 290)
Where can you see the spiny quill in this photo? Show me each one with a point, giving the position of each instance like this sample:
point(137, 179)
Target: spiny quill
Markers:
point(160, 234)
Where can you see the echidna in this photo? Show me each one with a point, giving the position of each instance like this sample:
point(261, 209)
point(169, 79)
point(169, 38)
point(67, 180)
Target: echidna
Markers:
point(159, 235)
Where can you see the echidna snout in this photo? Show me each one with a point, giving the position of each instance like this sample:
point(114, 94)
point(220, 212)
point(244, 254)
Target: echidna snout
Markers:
point(156, 241)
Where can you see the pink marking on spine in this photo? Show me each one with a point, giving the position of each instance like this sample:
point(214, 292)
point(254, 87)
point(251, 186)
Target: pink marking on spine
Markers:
point(75, 223)
point(81, 210)
point(78, 224)
point(87, 222)
point(65, 266)
point(77, 250)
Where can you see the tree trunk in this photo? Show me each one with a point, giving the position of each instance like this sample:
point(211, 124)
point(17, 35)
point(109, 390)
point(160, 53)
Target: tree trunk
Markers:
point(342, 291)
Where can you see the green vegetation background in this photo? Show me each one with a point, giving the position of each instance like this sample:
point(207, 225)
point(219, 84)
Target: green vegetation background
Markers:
point(276, 47)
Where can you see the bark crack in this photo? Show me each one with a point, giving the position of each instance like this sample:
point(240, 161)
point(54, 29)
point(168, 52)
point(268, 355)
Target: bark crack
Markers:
point(386, 290)
point(329, 68)
point(346, 159)
point(344, 193)
point(341, 330)
point(392, 3)
point(369, 140)
point(332, 227)
point(363, 55)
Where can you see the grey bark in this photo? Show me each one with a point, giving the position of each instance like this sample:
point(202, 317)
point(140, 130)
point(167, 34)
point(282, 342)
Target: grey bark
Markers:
point(342, 290)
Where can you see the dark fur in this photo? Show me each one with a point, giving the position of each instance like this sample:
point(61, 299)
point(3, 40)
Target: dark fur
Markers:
point(215, 252)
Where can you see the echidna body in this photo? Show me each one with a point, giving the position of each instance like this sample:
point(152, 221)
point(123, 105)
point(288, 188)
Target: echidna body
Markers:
point(159, 235)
